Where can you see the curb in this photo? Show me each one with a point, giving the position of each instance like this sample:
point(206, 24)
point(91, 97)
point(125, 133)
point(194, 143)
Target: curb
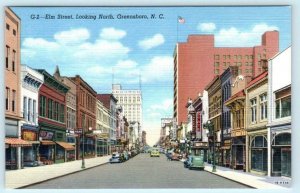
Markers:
point(230, 179)
point(21, 187)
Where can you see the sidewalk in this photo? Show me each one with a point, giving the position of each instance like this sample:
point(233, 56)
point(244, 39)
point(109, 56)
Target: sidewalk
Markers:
point(252, 180)
point(30, 175)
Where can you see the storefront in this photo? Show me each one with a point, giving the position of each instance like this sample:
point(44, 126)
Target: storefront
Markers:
point(199, 145)
point(29, 133)
point(11, 152)
point(259, 154)
point(64, 152)
point(47, 147)
point(89, 146)
point(281, 154)
point(238, 155)
point(226, 149)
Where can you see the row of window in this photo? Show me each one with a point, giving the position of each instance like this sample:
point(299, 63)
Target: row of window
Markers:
point(10, 99)
point(240, 57)
point(71, 118)
point(51, 109)
point(10, 58)
point(87, 100)
point(240, 71)
point(8, 28)
point(29, 109)
point(227, 64)
point(128, 99)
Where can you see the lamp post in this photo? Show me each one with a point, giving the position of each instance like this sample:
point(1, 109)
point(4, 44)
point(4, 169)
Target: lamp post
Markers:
point(82, 153)
point(210, 127)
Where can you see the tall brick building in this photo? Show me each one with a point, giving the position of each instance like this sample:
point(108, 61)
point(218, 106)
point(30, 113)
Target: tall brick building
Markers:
point(197, 61)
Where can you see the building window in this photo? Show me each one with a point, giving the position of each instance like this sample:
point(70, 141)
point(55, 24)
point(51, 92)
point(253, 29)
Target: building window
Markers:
point(235, 57)
point(258, 57)
point(56, 110)
point(239, 64)
point(13, 60)
point(259, 63)
point(263, 106)
point(240, 71)
point(217, 57)
point(7, 98)
point(25, 108)
point(29, 110)
point(224, 57)
point(14, 32)
point(283, 107)
point(34, 111)
point(13, 101)
point(7, 55)
point(264, 56)
point(42, 106)
point(246, 57)
point(239, 57)
point(7, 26)
point(62, 113)
point(50, 108)
point(253, 110)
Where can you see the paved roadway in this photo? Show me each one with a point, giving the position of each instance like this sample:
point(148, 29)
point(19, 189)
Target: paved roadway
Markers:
point(141, 171)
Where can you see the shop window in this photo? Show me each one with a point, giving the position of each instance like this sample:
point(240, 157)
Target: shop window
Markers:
point(259, 154)
point(42, 108)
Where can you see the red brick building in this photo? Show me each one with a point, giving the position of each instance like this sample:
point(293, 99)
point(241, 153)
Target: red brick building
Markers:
point(85, 114)
point(52, 120)
point(197, 61)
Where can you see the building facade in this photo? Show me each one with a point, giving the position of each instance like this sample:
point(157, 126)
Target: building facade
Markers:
point(70, 108)
point(31, 81)
point(13, 142)
point(110, 102)
point(131, 102)
point(102, 125)
point(52, 120)
point(197, 61)
point(256, 105)
point(86, 116)
point(279, 124)
point(215, 110)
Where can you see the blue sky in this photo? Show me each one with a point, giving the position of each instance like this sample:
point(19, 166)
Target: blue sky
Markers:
point(95, 49)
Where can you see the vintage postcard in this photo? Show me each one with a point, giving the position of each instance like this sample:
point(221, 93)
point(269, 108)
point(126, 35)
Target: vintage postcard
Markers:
point(166, 97)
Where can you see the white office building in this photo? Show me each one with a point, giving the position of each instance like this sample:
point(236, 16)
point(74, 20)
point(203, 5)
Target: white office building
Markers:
point(131, 102)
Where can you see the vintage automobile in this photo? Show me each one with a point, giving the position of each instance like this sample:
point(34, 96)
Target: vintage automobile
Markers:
point(196, 160)
point(116, 158)
point(154, 152)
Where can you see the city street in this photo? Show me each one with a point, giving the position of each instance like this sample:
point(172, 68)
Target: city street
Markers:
point(141, 171)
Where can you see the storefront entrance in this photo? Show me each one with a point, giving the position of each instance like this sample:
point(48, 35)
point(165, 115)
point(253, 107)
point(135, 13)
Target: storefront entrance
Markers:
point(259, 154)
point(281, 155)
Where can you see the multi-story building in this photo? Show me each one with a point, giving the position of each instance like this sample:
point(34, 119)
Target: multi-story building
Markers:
point(102, 125)
point(236, 104)
point(144, 138)
point(256, 110)
point(110, 102)
point(70, 107)
point(214, 113)
point(85, 115)
point(31, 81)
point(279, 114)
point(52, 120)
point(13, 143)
point(131, 102)
point(197, 61)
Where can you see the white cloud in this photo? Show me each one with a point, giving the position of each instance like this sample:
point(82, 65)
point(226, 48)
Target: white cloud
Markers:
point(112, 34)
point(160, 69)
point(166, 105)
point(72, 36)
point(37, 43)
point(206, 27)
point(125, 64)
point(234, 37)
point(156, 40)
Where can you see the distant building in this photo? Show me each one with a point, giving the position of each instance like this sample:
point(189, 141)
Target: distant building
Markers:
point(197, 61)
point(131, 102)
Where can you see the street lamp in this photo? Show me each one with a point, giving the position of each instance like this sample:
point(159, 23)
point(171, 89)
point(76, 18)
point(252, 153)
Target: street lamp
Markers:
point(82, 153)
point(210, 130)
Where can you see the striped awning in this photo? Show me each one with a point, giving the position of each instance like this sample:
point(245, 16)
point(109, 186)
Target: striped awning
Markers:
point(16, 142)
point(65, 145)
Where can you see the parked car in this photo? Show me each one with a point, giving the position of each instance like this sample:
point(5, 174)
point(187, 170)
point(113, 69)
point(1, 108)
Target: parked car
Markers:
point(169, 154)
point(116, 158)
point(187, 162)
point(175, 156)
point(196, 162)
point(154, 152)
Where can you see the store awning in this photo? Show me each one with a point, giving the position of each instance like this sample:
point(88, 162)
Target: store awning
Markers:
point(47, 142)
point(16, 142)
point(34, 142)
point(65, 145)
point(226, 147)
